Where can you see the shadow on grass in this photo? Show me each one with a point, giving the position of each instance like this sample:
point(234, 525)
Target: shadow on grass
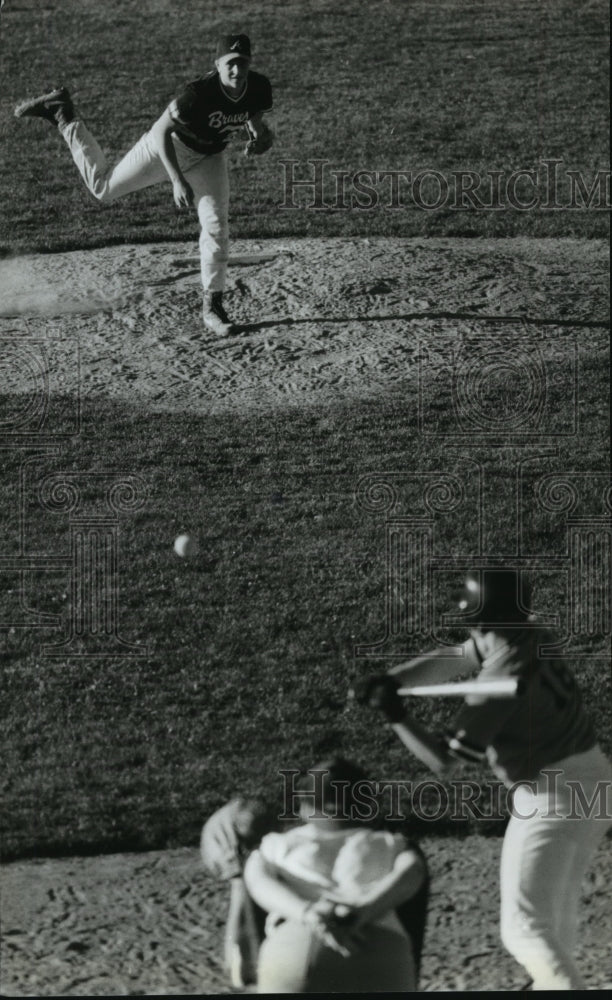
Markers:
point(252, 643)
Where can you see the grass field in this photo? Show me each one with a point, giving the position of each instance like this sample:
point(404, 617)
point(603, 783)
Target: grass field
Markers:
point(414, 86)
point(251, 646)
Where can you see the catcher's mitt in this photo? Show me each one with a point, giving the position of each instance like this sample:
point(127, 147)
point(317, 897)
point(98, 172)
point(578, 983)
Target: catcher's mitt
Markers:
point(261, 143)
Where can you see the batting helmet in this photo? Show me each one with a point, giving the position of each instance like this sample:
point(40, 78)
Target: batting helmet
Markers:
point(494, 597)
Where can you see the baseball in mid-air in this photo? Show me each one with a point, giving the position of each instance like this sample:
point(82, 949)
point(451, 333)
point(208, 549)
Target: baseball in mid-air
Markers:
point(185, 546)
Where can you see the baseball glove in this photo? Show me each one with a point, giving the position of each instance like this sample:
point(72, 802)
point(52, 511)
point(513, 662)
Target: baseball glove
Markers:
point(261, 143)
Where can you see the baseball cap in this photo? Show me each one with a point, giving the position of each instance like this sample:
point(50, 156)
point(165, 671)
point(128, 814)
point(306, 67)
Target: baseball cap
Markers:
point(494, 597)
point(234, 45)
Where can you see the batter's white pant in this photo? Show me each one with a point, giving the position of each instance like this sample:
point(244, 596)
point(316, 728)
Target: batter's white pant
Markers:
point(141, 167)
point(549, 844)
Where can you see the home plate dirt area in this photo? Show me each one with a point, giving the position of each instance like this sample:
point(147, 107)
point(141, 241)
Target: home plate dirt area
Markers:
point(152, 924)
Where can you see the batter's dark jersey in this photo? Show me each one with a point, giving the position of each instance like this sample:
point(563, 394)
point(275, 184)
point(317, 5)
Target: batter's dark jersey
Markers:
point(204, 116)
point(544, 724)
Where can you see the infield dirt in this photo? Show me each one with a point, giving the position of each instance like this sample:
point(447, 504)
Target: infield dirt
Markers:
point(152, 924)
point(321, 320)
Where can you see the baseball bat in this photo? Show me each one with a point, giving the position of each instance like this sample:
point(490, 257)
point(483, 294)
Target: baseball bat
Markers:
point(503, 687)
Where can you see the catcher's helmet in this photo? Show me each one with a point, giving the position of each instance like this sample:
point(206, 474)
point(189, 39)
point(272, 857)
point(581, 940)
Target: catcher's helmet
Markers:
point(494, 597)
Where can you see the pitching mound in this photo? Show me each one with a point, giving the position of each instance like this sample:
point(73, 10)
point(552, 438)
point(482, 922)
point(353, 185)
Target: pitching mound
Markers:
point(318, 320)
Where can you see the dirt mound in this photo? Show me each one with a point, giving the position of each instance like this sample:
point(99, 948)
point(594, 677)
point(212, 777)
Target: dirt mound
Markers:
point(319, 319)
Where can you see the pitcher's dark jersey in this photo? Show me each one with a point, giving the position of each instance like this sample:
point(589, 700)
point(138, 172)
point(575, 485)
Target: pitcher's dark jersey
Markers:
point(205, 116)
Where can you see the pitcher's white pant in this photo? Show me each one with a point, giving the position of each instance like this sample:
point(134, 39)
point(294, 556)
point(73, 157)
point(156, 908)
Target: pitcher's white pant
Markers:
point(548, 846)
point(141, 167)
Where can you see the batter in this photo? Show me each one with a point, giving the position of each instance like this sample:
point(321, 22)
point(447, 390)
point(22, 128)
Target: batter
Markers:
point(543, 746)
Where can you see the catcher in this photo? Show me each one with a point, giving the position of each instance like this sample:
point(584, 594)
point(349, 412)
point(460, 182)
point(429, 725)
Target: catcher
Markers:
point(186, 146)
point(227, 839)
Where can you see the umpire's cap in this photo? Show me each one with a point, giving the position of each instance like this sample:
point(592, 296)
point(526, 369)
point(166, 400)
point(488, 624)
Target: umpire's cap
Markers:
point(494, 597)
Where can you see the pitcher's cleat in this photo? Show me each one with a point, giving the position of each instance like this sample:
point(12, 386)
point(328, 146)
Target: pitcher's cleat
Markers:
point(215, 316)
point(55, 107)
